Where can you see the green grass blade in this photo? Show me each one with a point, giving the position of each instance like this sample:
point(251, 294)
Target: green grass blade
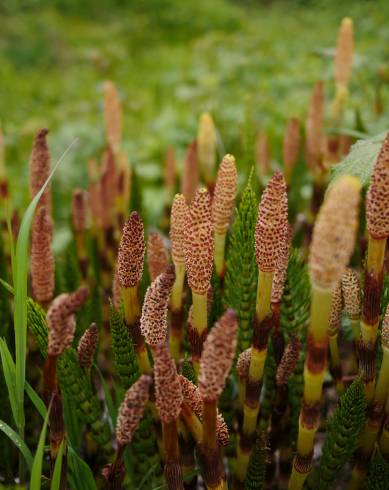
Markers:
point(19, 443)
point(112, 410)
point(80, 475)
point(36, 472)
point(36, 400)
point(9, 375)
point(56, 479)
point(20, 283)
point(7, 286)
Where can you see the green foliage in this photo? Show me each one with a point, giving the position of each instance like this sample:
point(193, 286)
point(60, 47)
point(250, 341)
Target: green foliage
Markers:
point(36, 472)
point(18, 442)
point(256, 471)
point(295, 393)
point(56, 479)
point(217, 302)
point(342, 434)
point(269, 387)
point(360, 160)
point(188, 370)
point(296, 298)
point(76, 386)
point(36, 320)
point(241, 272)
point(124, 356)
point(378, 476)
point(136, 198)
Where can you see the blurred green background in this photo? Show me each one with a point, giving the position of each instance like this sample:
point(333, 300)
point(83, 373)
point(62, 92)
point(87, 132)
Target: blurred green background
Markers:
point(252, 64)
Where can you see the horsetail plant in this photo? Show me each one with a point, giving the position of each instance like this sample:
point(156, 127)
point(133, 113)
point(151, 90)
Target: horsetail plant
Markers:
point(215, 364)
point(198, 253)
point(377, 222)
point(270, 236)
point(331, 248)
point(222, 207)
point(177, 223)
point(129, 273)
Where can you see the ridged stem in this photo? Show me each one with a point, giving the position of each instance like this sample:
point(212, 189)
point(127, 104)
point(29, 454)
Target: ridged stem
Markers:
point(199, 327)
point(314, 372)
point(192, 422)
point(219, 249)
point(132, 314)
point(213, 471)
point(336, 367)
point(262, 326)
point(173, 471)
point(82, 254)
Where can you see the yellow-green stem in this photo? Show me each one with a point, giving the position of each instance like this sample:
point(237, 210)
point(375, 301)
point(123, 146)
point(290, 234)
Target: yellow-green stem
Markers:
point(199, 325)
point(257, 363)
point(313, 381)
point(220, 243)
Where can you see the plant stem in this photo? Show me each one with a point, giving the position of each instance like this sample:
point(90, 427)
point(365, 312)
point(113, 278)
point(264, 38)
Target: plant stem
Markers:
point(199, 327)
point(219, 248)
point(314, 372)
point(176, 331)
point(172, 470)
point(262, 327)
point(132, 314)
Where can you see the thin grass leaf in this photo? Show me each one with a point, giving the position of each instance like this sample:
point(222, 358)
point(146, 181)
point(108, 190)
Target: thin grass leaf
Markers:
point(20, 274)
point(56, 479)
point(36, 472)
point(112, 409)
point(7, 286)
point(36, 400)
point(9, 375)
point(80, 475)
point(19, 443)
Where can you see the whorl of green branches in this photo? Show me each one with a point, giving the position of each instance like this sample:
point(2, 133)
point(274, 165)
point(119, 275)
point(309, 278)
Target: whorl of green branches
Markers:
point(378, 476)
point(36, 320)
point(343, 431)
point(188, 370)
point(296, 298)
point(76, 386)
point(124, 356)
point(241, 273)
point(256, 471)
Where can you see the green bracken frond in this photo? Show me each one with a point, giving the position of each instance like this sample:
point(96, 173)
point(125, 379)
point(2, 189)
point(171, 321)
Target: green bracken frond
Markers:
point(378, 476)
point(76, 386)
point(256, 471)
point(342, 434)
point(124, 356)
point(241, 272)
point(296, 298)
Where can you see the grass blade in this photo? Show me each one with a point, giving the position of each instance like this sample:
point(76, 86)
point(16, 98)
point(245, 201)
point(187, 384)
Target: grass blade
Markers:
point(112, 410)
point(19, 443)
point(20, 283)
point(80, 475)
point(36, 400)
point(9, 375)
point(56, 479)
point(36, 472)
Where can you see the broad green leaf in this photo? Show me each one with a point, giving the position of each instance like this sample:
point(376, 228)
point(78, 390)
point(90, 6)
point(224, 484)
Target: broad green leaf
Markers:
point(20, 274)
point(18, 441)
point(36, 472)
point(56, 479)
point(360, 160)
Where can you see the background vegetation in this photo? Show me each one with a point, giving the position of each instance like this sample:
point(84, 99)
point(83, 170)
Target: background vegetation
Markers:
point(251, 63)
